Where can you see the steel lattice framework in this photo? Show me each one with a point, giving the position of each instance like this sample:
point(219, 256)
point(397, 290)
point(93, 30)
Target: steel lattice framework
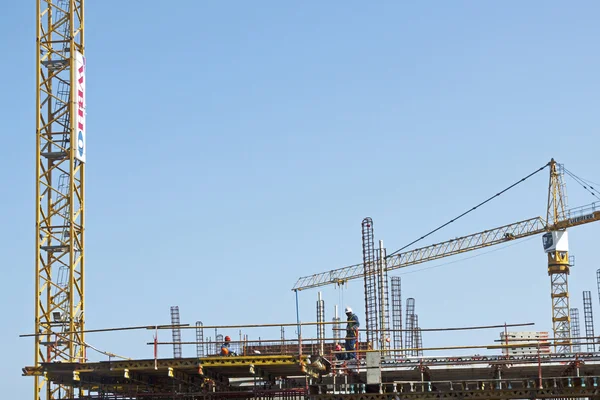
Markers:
point(559, 265)
point(518, 230)
point(429, 253)
point(60, 157)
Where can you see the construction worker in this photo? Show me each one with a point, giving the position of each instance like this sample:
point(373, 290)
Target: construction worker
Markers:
point(339, 356)
point(351, 334)
point(225, 350)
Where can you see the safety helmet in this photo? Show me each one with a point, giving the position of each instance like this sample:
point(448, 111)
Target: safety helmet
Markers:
point(227, 339)
point(348, 310)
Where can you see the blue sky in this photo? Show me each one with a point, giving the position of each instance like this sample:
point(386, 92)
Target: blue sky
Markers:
point(233, 147)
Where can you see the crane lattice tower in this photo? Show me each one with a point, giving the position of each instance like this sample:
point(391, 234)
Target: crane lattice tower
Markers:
point(60, 200)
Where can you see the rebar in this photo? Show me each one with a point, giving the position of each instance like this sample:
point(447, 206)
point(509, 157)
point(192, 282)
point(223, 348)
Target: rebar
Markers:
point(589, 319)
point(199, 339)
point(176, 332)
point(409, 332)
point(575, 330)
point(418, 336)
point(384, 318)
point(320, 320)
point(370, 280)
point(397, 311)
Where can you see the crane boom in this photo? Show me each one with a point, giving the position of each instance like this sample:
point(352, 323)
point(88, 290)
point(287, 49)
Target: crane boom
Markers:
point(502, 234)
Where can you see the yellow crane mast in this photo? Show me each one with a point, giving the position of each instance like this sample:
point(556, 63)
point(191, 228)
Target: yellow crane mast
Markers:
point(60, 162)
point(555, 245)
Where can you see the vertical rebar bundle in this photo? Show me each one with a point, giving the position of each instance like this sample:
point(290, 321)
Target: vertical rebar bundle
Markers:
point(575, 330)
point(320, 320)
point(384, 316)
point(598, 282)
point(218, 343)
point(409, 341)
point(336, 327)
point(370, 278)
point(418, 337)
point(210, 346)
point(397, 311)
point(175, 321)
point(199, 339)
point(589, 320)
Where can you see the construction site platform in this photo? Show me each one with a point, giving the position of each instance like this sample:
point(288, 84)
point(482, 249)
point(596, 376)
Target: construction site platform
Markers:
point(160, 374)
point(547, 376)
point(484, 367)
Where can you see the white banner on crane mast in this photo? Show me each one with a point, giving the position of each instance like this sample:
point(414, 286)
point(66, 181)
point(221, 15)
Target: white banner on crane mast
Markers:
point(79, 96)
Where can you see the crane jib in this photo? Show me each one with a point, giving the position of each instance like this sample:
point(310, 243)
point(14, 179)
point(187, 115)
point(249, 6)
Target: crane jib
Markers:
point(582, 218)
point(487, 238)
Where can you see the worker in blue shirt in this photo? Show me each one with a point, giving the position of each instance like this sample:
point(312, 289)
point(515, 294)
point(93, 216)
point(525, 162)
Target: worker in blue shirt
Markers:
point(351, 334)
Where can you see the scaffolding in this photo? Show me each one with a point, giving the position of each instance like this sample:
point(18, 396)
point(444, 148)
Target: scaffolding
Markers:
point(589, 320)
point(279, 369)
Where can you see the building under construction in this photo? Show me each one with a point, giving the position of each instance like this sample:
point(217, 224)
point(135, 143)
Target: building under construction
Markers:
point(392, 360)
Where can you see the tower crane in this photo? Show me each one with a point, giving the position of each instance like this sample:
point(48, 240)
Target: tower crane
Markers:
point(555, 243)
point(60, 163)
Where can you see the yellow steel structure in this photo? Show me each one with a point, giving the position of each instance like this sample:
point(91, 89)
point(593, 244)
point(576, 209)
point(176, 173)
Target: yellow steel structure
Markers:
point(60, 130)
point(557, 220)
point(558, 265)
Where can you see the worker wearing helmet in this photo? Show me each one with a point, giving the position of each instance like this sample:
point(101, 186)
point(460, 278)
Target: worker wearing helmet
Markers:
point(351, 333)
point(225, 349)
point(338, 348)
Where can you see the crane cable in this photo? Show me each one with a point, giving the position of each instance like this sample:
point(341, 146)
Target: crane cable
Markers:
point(583, 182)
point(467, 258)
point(470, 210)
